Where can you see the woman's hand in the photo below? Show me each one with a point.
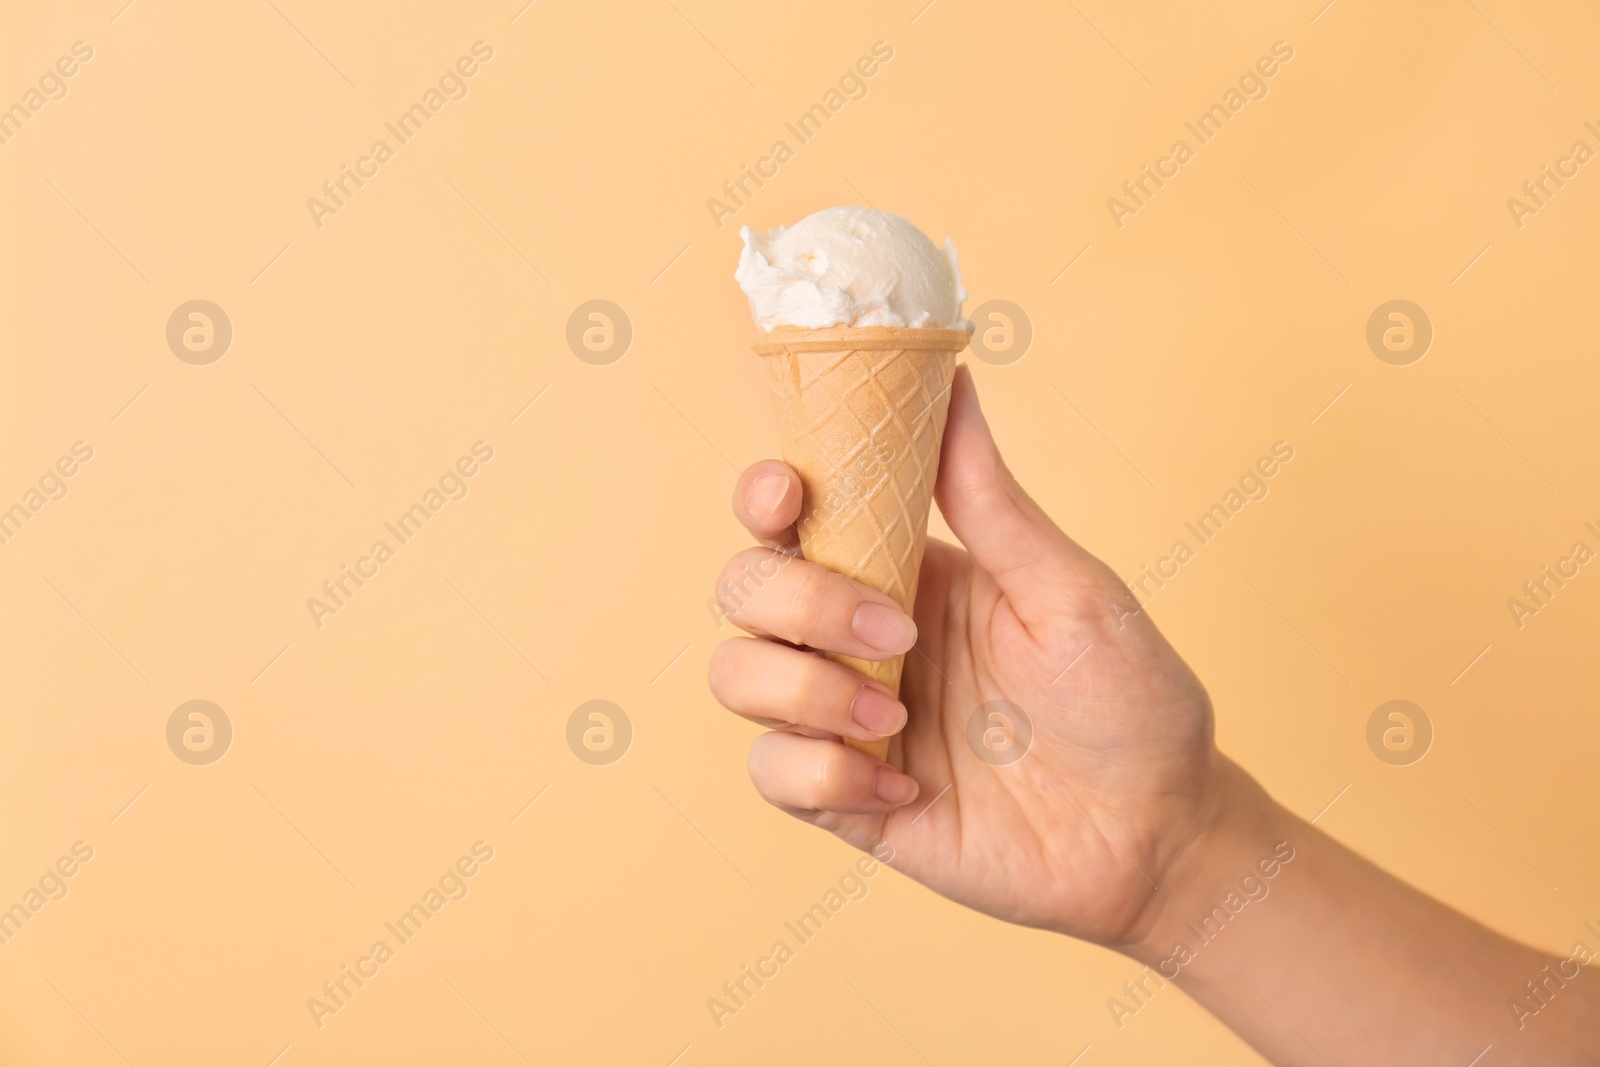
(1119, 792)
(1120, 775)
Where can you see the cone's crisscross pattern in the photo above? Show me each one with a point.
(861, 412)
(879, 421)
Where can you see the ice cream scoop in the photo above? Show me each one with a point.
(850, 266)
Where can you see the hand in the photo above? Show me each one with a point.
(1121, 776)
(1121, 791)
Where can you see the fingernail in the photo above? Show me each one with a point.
(892, 787)
(878, 711)
(883, 628)
(767, 493)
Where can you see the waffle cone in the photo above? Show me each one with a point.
(861, 414)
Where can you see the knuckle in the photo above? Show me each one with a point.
(811, 595)
(808, 674)
(737, 583)
(759, 764)
(765, 563)
(723, 668)
(805, 691)
(812, 583)
(826, 782)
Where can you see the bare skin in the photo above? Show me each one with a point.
(1121, 791)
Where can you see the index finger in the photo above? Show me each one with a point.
(766, 500)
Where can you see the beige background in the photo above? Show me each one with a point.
(426, 314)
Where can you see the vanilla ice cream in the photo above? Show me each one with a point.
(850, 266)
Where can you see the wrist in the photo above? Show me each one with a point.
(1243, 842)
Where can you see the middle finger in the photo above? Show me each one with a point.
(769, 593)
(775, 684)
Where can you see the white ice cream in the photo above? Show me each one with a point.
(850, 266)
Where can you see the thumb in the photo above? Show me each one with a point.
(1009, 535)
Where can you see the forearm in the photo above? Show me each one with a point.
(1332, 960)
